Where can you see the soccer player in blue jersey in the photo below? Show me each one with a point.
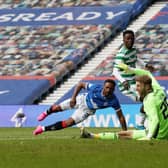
(96, 97)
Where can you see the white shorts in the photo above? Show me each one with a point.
(81, 109)
(131, 93)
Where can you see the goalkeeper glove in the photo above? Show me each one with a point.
(122, 66)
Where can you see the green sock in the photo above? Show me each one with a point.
(108, 135)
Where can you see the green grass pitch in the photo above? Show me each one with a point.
(65, 149)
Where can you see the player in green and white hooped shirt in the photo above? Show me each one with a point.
(156, 107)
(128, 55)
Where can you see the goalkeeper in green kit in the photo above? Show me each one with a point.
(155, 107)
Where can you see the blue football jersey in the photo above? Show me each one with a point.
(96, 100)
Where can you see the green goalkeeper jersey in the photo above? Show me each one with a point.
(156, 108)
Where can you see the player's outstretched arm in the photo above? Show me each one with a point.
(80, 85)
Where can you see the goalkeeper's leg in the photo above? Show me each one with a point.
(106, 136)
(103, 136)
(129, 134)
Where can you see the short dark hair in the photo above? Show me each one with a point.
(149, 67)
(128, 32)
(110, 81)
